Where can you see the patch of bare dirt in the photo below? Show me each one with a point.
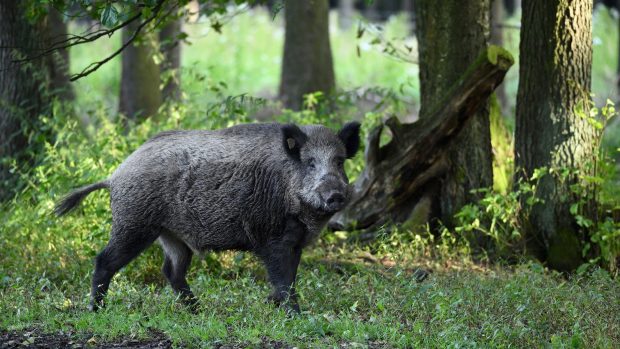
(37, 339)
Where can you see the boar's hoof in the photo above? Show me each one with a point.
(291, 308)
(289, 304)
(191, 304)
(95, 306)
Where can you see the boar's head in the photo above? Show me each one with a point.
(319, 155)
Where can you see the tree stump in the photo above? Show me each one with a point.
(395, 174)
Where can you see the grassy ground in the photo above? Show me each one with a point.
(350, 298)
(351, 295)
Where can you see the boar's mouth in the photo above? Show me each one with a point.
(327, 210)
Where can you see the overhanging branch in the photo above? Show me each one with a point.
(74, 39)
(96, 65)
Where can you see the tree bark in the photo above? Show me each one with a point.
(307, 63)
(345, 14)
(58, 61)
(450, 36)
(618, 58)
(171, 49)
(22, 88)
(497, 38)
(554, 78)
(398, 173)
(140, 95)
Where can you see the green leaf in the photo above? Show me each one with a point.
(217, 26)
(574, 208)
(109, 16)
(360, 31)
(539, 173)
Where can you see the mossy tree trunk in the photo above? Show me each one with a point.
(140, 95)
(554, 77)
(170, 46)
(23, 88)
(307, 63)
(451, 34)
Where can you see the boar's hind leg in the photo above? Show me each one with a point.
(124, 245)
(177, 260)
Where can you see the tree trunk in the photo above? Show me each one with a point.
(408, 8)
(345, 13)
(58, 61)
(140, 96)
(554, 78)
(450, 35)
(170, 47)
(397, 174)
(618, 58)
(497, 38)
(307, 64)
(22, 88)
(371, 12)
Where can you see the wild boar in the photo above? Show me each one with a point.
(264, 188)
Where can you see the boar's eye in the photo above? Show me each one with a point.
(311, 163)
(339, 161)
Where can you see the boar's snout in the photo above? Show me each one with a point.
(333, 193)
(335, 201)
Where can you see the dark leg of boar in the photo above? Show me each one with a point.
(282, 268)
(177, 260)
(123, 247)
(281, 258)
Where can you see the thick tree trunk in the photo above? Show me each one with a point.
(307, 64)
(397, 174)
(22, 88)
(58, 61)
(554, 77)
(171, 65)
(140, 95)
(450, 35)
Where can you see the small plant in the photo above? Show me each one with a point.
(593, 208)
(498, 216)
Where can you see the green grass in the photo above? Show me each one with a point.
(344, 301)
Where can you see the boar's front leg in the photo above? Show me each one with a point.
(281, 262)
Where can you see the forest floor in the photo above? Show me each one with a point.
(350, 298)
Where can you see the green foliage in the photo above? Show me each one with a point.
(499, 216)
(113, 13)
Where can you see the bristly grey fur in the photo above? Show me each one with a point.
(265, 188)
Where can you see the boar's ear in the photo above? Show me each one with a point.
(349, 134)
(293, 139)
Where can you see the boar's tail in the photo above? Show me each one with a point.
(70, 201)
